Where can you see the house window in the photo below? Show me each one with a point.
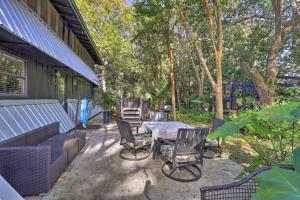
(75, 85)
(12, 76)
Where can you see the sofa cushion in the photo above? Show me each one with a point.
(36, 136)
(52, 129)
(15, 141)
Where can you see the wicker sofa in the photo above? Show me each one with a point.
(33, 161)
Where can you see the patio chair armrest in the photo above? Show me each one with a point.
(167, 141)
(248, 182)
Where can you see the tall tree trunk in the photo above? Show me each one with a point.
(219, 91)
(198, 77)
(218, 51)
(197, 45)
(171, 62)
(178, 97)
(264, 91)
(264, 86)
(202, 75)
(178, 78)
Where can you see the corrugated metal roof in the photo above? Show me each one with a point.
(20, 116)
(18, 19)
(71, 15)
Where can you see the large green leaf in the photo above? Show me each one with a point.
(278, 184)
(261, 129)
(281, 112)
(296, 159)
(228, 129)
(255, 120)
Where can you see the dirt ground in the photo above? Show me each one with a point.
(98, 173)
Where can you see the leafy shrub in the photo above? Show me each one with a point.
(278, 125)
(279, 183)
(274, 132)
(195, 116)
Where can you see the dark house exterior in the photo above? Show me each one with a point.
(46, 51)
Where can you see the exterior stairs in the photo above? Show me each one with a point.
(132, 115)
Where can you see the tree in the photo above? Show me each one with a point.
(217, 50)
(110, 23)
(157, 20)
(285, 19)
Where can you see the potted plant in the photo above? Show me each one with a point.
(107, 101)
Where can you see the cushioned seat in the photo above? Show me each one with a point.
(142, 140)
(167, 152)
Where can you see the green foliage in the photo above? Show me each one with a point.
(279, 183)
(273, 133)
(111, 24)
(257, 120)
(132, 38)
(105, 100)
(195, 117)
(286, 94)
(296, 159)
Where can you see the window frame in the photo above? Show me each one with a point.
(25, 77)
(75, 89)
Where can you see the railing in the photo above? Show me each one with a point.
(72, 106)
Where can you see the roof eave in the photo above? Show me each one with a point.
(78, 15)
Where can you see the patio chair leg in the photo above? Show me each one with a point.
(215, 150)
(125, 154)
(196, 176)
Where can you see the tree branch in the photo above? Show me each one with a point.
(248, 17)
(220, 27)
(294, 8)
(276, 4)
(197, 45)
(211, 30)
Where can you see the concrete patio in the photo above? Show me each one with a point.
(98, 173)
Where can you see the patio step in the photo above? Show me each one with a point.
(131, 112)
(135, 123)
(131, 117)
(131, 109)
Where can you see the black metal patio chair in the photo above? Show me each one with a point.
(183, 155)
(239, 190)
(136, 146)
(213, 146)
